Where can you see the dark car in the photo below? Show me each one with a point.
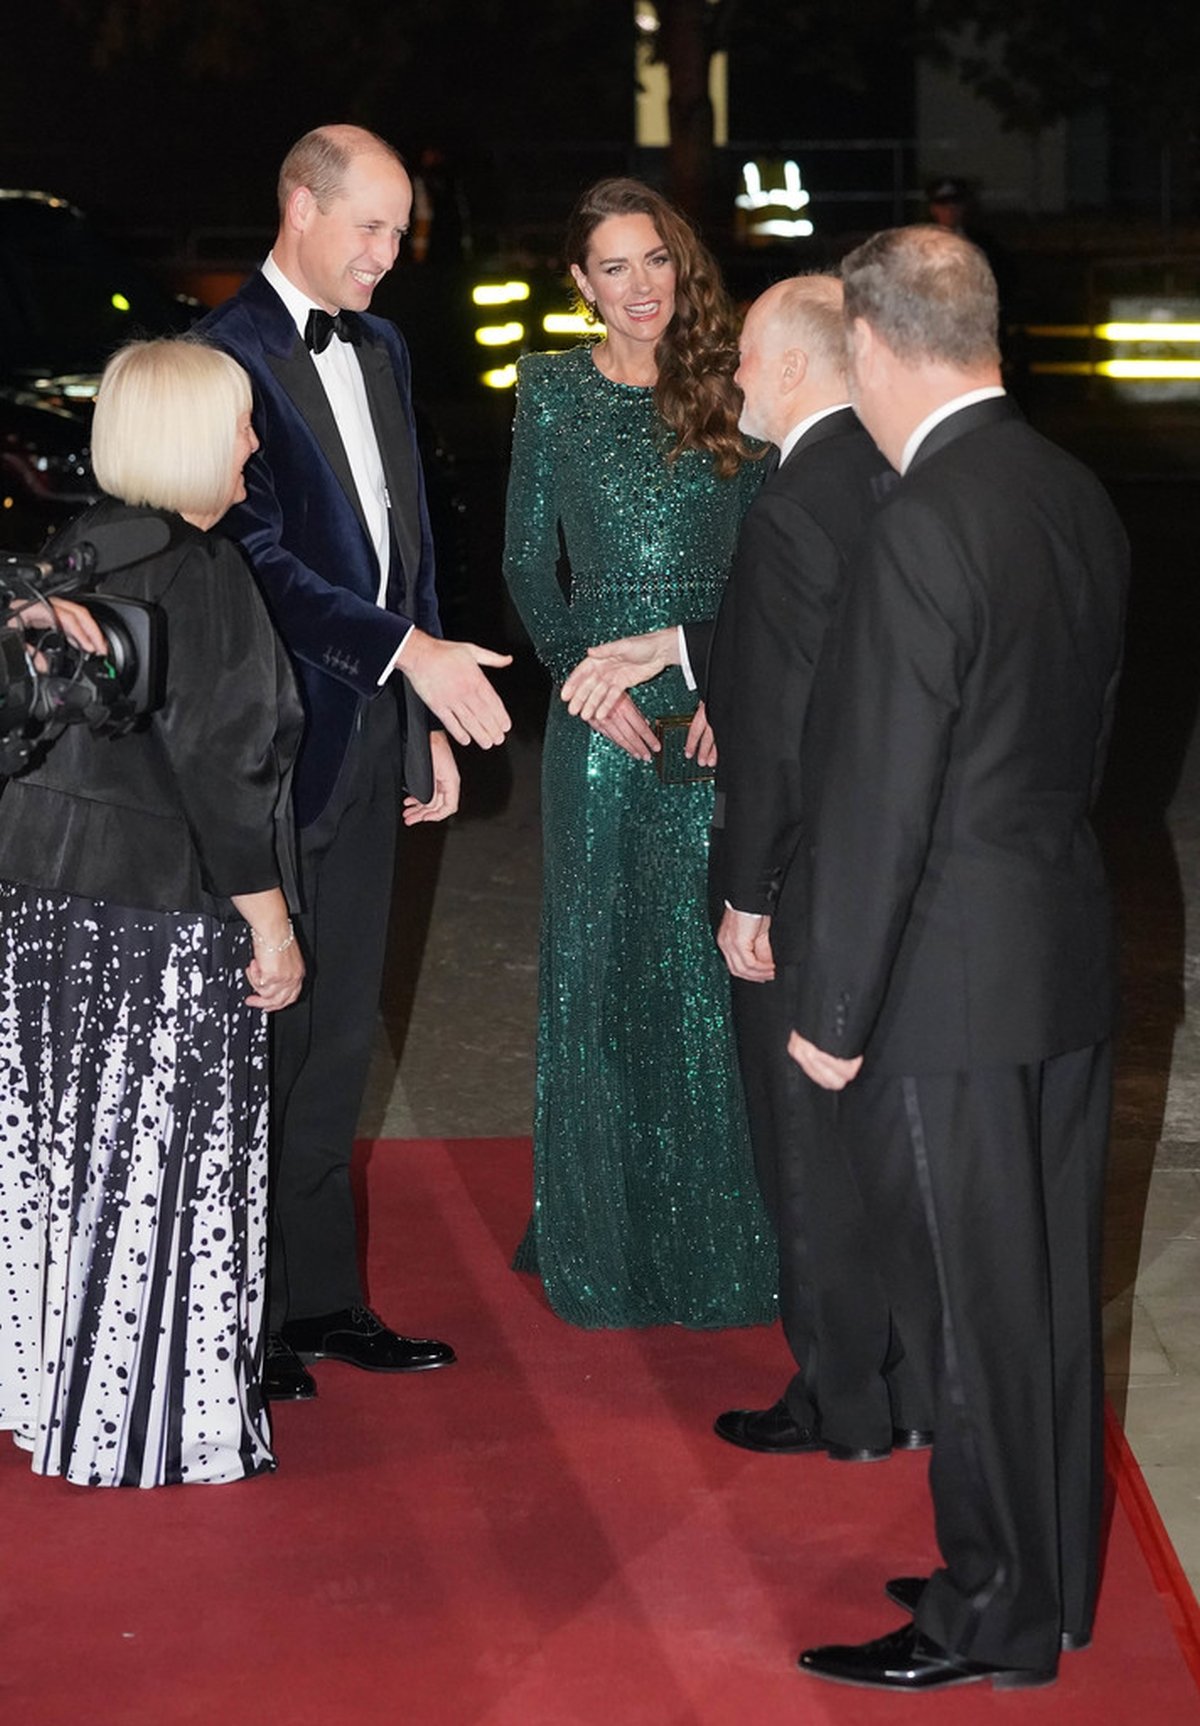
(67, 300)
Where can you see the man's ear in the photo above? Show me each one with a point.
(793, 369)
(299, 208)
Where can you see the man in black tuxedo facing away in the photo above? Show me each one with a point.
(336, 529)
(960, 950)
(856, 1392)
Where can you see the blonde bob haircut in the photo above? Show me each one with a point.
(166, 425)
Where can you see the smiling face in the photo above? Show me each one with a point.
(338, 254)
(629, 278)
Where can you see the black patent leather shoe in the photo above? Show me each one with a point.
(906, 1660)
(360, 1338)
(906, 1591)
(284, 1378)
(903, 1438)
(911, 1437)
(767, 1429)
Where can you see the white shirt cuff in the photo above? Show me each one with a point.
(394, 662)
(685, 664)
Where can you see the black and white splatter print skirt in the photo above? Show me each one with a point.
(133, 1192)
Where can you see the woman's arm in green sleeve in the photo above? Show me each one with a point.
(531, 544)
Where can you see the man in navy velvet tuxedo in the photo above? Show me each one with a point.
(336, 528)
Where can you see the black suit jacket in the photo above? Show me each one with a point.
(755, 663)
(193, 806)
(956, 903)
(303, 530)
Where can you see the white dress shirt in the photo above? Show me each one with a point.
(342, 380)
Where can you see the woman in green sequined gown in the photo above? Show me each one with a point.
(646, 1209)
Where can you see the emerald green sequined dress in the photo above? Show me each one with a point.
(645, 1208)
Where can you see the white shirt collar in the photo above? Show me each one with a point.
(917, 438)
(297, 302)
(797, 432)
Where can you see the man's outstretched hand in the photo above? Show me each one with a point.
(447, 676)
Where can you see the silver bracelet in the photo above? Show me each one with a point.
(282, 947)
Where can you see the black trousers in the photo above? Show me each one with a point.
(1008, 1164)
(859, 1371)
(321, 1046)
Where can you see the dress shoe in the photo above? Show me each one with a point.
(903, 1438)
(911, 1437)
(767, 1429)
(858, 1453)
(906, 1660)
(358, 1337)
(284, 1378)
(906, 1591)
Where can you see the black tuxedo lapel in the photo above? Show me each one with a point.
(298, 377)
(965, 420)
(833, 425)
(394, 436)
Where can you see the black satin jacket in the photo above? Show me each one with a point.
(194, 806)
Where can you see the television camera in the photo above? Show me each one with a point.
(48, 683)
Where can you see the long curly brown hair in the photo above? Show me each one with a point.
(697, 354)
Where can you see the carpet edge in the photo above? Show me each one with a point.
(1166, 1572)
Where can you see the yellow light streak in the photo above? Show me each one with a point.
(1080, 332)
(500, 378)
(1148, 368)
(1121, 370)
(499, 335)
(570, 324)
(1117, 332)
(1155, 332)
(499, 293)
(1063, 368)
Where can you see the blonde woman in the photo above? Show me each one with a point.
(144, 936)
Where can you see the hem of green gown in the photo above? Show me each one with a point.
(585, 1318)
(592, 1322)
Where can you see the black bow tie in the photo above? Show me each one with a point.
(321, 328)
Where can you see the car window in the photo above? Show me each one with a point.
(66, 299)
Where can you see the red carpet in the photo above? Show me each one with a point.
(545, 1535)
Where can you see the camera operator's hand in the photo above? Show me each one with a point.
(75, 621)
(276, 972)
